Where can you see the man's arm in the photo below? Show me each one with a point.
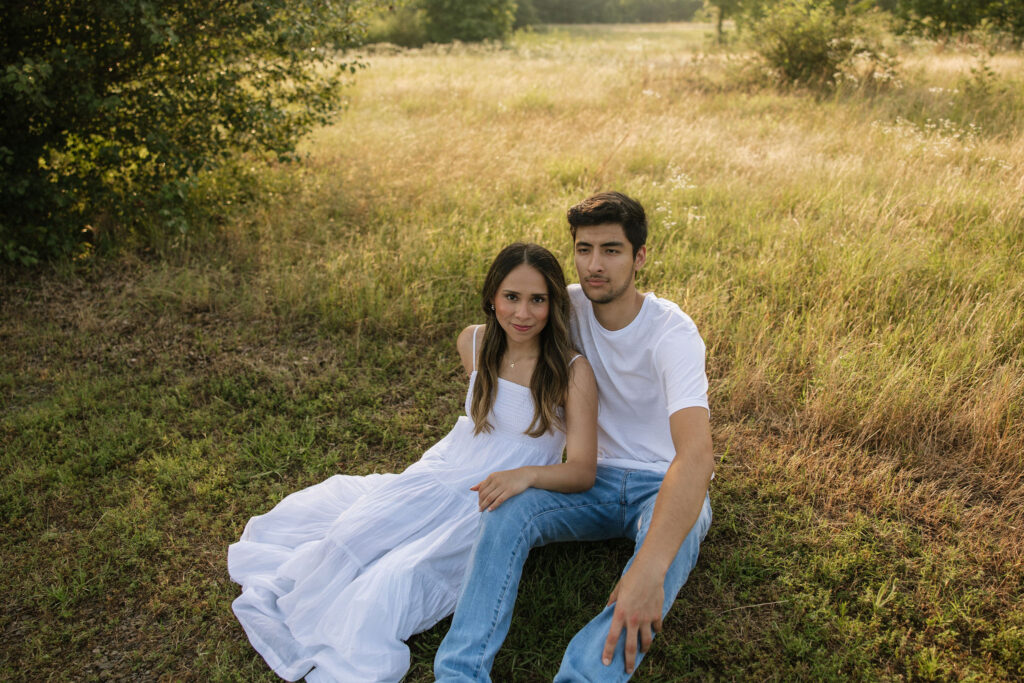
(640, 594)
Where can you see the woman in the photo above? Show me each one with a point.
(338, 575)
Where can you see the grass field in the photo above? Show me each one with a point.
(853, 261)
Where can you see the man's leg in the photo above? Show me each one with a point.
(533, 518)
(582, 660)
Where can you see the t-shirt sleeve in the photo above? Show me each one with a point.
(680, 360)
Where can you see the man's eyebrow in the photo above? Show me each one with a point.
(614, 243)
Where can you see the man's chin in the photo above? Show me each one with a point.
(598, 297)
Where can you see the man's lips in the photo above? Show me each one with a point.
(595, 281)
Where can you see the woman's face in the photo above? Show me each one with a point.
(521, 304)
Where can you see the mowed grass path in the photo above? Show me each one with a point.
(853, 263)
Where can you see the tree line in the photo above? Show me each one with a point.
(112, 112)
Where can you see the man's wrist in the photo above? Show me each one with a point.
(652, 565)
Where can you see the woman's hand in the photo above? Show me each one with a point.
(500, 486)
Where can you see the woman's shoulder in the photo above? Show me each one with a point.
(465, 345)
(580, 372)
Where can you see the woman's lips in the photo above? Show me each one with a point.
(520, 328)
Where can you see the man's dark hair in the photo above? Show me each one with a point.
(611, 207)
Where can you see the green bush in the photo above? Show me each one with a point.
(604, 11)
(938, 18)
(108, 108)
(401, 24)
(810, 43)
(468, 20)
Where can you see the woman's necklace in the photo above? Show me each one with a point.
(512, 363)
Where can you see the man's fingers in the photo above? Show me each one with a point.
(657, 626)
(631, 636)
(646, 637)
(613, 638)
(614, 595)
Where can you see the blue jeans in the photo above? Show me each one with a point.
(619, 505)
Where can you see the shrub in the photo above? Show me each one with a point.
(809, 43)
(601, 11)
(108, 108)
(401, 24)
(468, 20)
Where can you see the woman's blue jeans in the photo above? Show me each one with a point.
(619, 505)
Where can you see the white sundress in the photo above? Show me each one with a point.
(338, 575)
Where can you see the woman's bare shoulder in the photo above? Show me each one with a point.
(464, 344)
(581, 375)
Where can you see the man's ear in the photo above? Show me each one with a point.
(641, 258)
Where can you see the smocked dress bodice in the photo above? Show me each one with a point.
(463, 458)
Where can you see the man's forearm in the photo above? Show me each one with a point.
(676, 509)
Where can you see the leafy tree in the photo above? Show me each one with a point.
(469, 20)
(107, 107)
(944, 18)
(735, 10)
(599, 11)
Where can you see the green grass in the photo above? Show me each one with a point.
(853, 263)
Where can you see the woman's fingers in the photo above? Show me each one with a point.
(488, 492)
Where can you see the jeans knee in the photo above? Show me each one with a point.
(509, 520)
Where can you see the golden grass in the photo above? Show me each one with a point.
(853, 262)
(854, 268)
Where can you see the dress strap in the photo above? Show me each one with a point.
(573, 359)
(475, 330)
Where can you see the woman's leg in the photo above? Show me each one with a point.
(303, 517)
(408, 590)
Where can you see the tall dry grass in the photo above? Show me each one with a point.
(853, 262)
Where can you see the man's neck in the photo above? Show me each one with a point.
(620, 312)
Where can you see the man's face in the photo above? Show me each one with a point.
(605, 262)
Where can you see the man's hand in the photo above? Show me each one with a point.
(500, 486)
(638, 598)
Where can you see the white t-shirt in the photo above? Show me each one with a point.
(645, 372)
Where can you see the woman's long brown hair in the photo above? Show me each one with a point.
(550, 381)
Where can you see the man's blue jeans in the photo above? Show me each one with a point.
(619, 505)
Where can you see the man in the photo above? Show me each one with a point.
(654, 466)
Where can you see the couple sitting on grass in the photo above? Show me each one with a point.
(338, 575)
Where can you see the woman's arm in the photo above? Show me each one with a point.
(580, 467)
